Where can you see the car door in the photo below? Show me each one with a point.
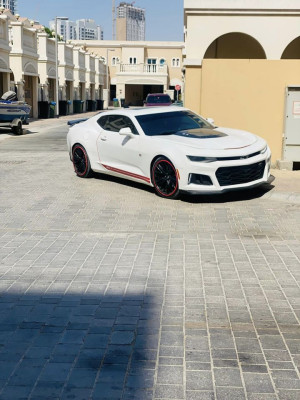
(119, 153)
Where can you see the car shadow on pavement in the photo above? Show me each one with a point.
(231, 196)
(123, 182)
(6, 131)
(9, 132)
(78, 346)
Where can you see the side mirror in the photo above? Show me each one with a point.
(126, 132)
(210, 120)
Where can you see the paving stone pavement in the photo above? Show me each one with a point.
(110, 292)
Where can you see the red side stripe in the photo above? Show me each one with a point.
(120, 171)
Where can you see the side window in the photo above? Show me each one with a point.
(129, 124)
(114, 123)
(103, 122)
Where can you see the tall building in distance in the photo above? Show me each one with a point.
(87, 29)
(130, 22)
(10, 5)
(82, 29)
(65, 28)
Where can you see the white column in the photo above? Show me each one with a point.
(105, 98)
(35, 111)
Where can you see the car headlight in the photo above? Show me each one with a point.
(264, 150)
(202, 159)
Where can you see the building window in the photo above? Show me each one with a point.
(175, 62)
(132, 60)
(151, 61)
(162, 62)
(115, 61)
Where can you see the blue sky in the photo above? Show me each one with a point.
(164, 18)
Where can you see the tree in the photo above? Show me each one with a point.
(49, 32)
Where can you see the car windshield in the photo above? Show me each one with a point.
(158, 99)
(168, 123)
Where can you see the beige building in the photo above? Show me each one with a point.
(46, 68)
(242, 68)
(100, 77)
(138, 68)
(28, 67)
(90, 76)
(23, 59)
(66, 73)
(4, 55)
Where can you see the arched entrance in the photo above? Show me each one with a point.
(292, 51)
(69, 85)
(31, 88)
(235, 45)
(51, 84)
(4, 76)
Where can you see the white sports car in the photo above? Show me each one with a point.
(169, 148)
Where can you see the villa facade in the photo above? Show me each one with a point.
(239, 64)
(242, 68)
(138, 68)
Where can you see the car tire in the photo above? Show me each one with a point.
(81, 162)
(164, 178)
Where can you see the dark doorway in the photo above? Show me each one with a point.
(113, 92)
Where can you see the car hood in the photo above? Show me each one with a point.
(218, 138)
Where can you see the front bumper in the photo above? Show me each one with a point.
(215, 184)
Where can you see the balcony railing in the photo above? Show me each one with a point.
(151, 69)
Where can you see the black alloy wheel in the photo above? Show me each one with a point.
(164, 178)
(81, 162)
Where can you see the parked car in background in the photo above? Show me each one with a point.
(158, 99)
(169, 148)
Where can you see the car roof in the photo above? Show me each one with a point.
(134, 112)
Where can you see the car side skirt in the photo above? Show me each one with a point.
(127, 174)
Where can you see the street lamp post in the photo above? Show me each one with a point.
(56, 65)
(107, 50)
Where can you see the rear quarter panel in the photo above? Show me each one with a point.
(86, 134)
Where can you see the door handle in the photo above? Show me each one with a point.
(103, 138)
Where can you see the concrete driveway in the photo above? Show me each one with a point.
(110, 292)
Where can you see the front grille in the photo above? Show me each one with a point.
(228, 176)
